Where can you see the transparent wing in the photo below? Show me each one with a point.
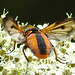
(13, 29)
(60, 30)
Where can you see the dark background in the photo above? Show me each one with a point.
(38, 11)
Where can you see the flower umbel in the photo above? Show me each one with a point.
(15, 64)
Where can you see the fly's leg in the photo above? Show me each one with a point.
(26, 58)
(57, 58)
(24, 53)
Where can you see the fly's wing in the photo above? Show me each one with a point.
(13, 29)
(61, 30)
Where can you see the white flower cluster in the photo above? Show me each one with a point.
(15, 64)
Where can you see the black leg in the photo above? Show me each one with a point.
(24, 53)
(26, 58)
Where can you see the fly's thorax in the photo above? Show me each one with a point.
(29, 30)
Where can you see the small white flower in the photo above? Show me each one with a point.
(4, 14)
(69, 15)
(41, 27)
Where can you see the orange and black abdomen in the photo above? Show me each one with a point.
(39, 44)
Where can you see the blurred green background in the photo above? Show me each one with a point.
(38, 11)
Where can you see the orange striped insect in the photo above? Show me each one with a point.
(38, 40)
